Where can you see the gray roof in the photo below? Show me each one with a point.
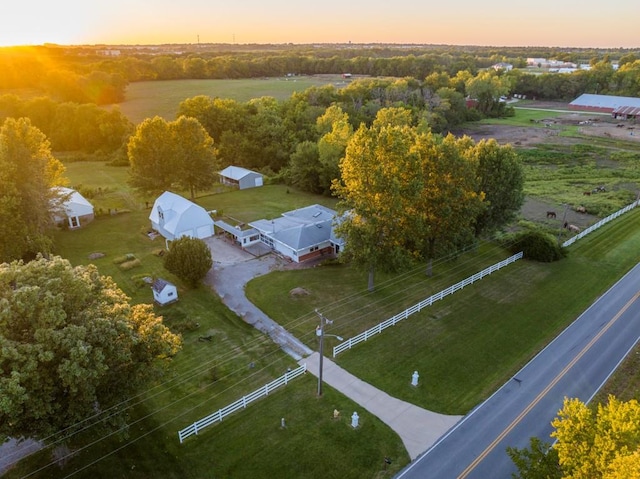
(159, 284)
(239, 233)
(605, 101)
(305, 236)
(237, 172)
(301, 228)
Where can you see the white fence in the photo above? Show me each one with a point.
(349, 343)
(240, 403)
(600, 223)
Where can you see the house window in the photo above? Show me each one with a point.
(160, 214)
(74, 222)
(170, 294)
(312, 249)
(266, 240)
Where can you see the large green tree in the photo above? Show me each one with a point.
(500, 180)
(72, 346)
(407, 194)
(379, 176)
(28, 171)
(165, 155)
(447, 202)
(332, 145)
(538, 461)
(189, 259)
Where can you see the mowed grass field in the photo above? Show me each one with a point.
(162, 98)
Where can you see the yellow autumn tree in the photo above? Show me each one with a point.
(600, 444)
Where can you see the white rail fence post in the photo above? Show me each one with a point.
(365, 335)
(240, 403)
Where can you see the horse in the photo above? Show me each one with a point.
(551, 214)
(573, 228)
(587, 193)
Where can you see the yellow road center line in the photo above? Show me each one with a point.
(555, 381)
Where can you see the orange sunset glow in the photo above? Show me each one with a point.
(494, 22)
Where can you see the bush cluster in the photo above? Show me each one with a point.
(537, 245)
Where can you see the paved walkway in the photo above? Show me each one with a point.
(233, 268)
(13, 450)
(418, 428)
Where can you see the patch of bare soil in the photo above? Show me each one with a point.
(536, 210)
(514, 135)
(296, 292)
(546, 130)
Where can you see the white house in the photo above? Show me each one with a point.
(174, 216)
(240, 177)
(301, 234)
(164, 292)
(74, 209)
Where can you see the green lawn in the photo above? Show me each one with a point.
(150, 98)
(467, 345)
(464, 347)
(206, 376)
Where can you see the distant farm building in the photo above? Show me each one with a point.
(164, 292)
(240, 177)
(502, 66)
(74, 210)
(174, 216)
(622, 107)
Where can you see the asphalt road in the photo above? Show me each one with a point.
(575, 364)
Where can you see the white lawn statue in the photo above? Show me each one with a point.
(354, 420)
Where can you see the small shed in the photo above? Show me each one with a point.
(164, 292)
(240, 177)
(74, 209)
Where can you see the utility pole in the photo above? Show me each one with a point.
(320, 334)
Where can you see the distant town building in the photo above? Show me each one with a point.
(502, 66)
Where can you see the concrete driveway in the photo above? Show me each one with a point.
(232, 269)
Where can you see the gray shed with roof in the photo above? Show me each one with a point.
(164, 292)
(240, 177)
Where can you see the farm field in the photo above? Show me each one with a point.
(162, 98)
(490, 328)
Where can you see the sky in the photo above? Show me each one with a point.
(554, 23)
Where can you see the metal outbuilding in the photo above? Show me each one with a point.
(618, 106)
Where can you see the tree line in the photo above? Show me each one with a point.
(83, 75)
(72, 126)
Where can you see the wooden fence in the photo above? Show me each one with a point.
(349, 343)
(240, 403)
(600, 223)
